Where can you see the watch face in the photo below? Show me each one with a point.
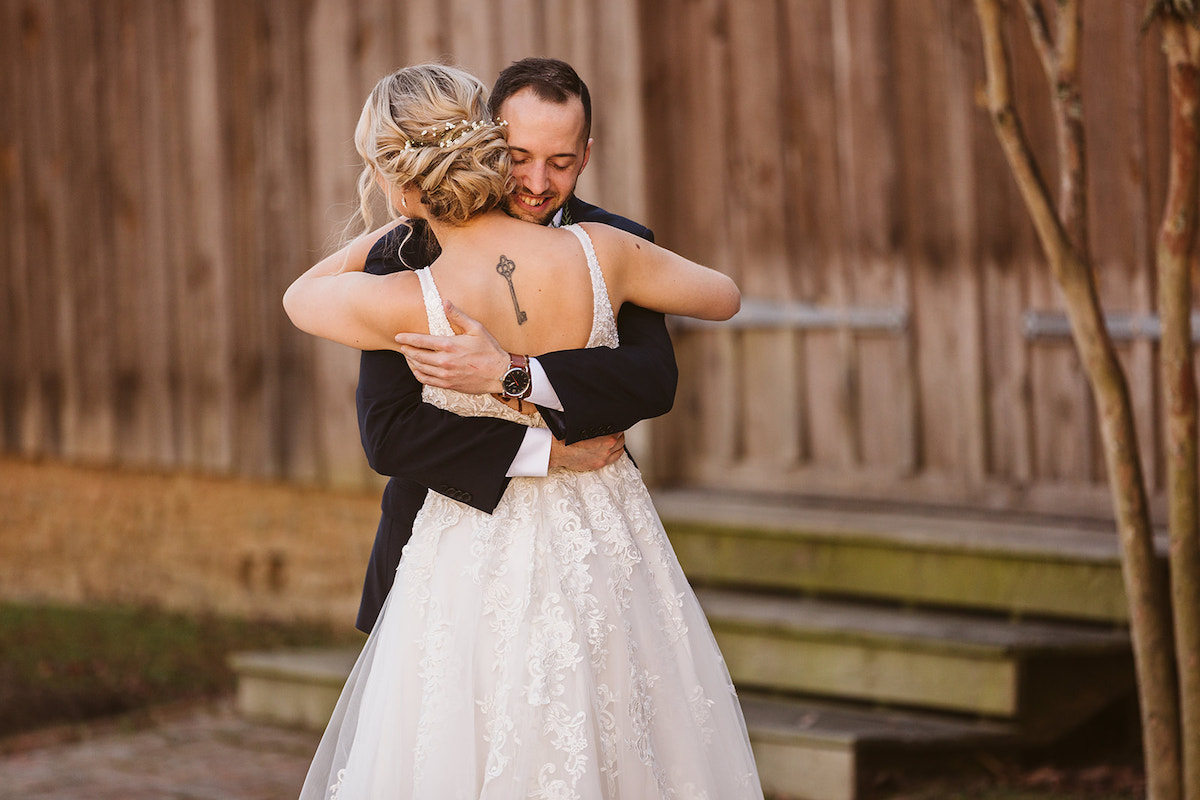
(515, 382)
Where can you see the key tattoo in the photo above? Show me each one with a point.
(506, 267)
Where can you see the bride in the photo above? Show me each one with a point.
(551, 649)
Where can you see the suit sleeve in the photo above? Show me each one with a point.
(464, 458)
(605, 390)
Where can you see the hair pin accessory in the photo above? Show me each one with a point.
(449, 134)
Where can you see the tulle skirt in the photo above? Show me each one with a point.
(552, 649)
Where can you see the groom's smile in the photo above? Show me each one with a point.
(531, 205)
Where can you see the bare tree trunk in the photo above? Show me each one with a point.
(1149, 611)
(1176, 251)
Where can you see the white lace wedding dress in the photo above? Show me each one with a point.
(550, 650)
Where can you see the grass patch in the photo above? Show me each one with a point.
(66, 665)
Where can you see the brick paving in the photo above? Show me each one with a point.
(202, 753)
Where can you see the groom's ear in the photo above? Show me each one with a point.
(587, 154)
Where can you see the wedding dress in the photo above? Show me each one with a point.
(550, 650)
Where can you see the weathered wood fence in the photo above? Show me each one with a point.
(834, 157)
(167, 166)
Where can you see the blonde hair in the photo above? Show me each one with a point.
(428, 125)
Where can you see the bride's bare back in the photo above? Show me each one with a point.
(528, 286)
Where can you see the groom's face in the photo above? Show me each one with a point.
(549, 151)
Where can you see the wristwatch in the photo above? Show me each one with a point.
(517, 382)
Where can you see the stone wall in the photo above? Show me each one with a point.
(77, 535)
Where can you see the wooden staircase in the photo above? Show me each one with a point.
(859, 637)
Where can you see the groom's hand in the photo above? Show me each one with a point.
(587, 455)
(472, 362)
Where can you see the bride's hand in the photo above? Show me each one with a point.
(587, 455)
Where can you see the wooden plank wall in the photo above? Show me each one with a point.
(168, 166)
(832, 153)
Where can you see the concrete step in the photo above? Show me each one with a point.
(1007, 565)
(1046, 675)
(812, 750)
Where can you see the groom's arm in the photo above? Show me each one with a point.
(464, 458)
(582, 394)
(604, 390)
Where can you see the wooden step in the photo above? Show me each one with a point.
(811, 750)
(943, 660)
(1034, 568)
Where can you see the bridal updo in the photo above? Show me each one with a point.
(428, 125)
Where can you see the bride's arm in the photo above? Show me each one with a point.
(336, 300)
(653, 277)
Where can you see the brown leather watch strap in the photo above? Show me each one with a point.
(521, 364)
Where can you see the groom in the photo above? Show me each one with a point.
(587, 397)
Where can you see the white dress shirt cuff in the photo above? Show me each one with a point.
(543, 393)
(533, 457)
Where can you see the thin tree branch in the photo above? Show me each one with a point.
(1186, 11)
(1067, 104)
(1012, 135)
(1060, 63)
(1039, 29)
(1069, 29)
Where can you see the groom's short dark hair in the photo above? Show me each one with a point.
(552, 80)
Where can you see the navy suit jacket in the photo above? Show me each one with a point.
(422, 447)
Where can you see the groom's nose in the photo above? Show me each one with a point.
(535, 178)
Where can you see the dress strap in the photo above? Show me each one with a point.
(604, 326)
(435, 311)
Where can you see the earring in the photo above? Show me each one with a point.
(404, 202)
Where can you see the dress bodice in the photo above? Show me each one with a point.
(603, 334)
